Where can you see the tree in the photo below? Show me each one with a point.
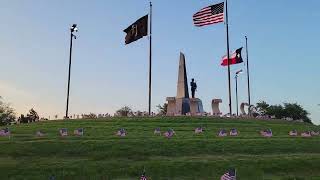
(276, 110)
(288, 110)
(162, 109)
(124, 111)
(296, 112)
(7, 114)
(32, 116)
(262, 107)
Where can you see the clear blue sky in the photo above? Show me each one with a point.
(106, 74)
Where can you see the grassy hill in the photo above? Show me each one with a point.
(99, 154)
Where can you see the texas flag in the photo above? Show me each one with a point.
(235, 58)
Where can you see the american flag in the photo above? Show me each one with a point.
(40, 133)
(169, 133)
(315, 133)
(306, 134)
(229, 175)
(198, 130)
(293, 133)
(222, 133)
(5, 132)
(157, 131)
(233, 132)
(78, 132)
(63, 132)
(122, 132)
(209, 15)
(266, 133)
(143, 176)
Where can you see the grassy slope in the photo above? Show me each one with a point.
(101, 155)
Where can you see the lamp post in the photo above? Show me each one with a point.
(72, 30)
(236, 77)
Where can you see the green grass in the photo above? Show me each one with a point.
(101, 155)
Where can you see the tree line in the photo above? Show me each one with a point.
(294, 111)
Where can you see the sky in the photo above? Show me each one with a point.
(283, 41)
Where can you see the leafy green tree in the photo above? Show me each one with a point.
(7, 114)
(276, 110)
(124, 111)
(262, 107)
(296, 112)
(32, 116)
(288, 110)
(162, 109)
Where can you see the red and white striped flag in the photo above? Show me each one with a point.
(315, 133)
(78, 132)
(293, 133)
(306, 134)
(198, 130)
(229, 175)
(222, 133)
(143, 176)
(5, 132)
(63, 132)
(209, 15)
(234, 132)
(266, 133)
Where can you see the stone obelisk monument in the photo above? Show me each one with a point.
(180, 105)
(182, 98)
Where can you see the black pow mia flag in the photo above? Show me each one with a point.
(137, 30)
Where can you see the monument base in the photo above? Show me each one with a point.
(196, 107)
(215, 107)
(184, 106)
(178, 106)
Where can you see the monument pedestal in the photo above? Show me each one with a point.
(196, 107)
(215, 107)
(178, 106)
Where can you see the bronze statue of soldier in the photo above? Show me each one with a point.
(193, 85)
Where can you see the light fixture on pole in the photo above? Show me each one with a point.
(73, 29)
(236, 77)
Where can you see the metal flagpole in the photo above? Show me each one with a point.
(237, 94)
(150, 58)
(72, 29)
(248, 76)
(228, 56)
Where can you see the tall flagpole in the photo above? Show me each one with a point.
(150, 57)
(248, 76)
(228, 55)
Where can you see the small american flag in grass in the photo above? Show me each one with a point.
(63, 132)
(169, 133)
(121, 132)
(293, 133)
(209, 15)
(229, 175)
(198, 130)
(157, 131)
(40, 133)
(222, 133)
(78, 132)
(306, 134)
(5, 132)
(315, 133)
(266, 133)
(143, 176)
(234, 132)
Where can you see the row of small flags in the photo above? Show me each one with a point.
(228, 175)
(170, 133)
(222, 133)
(62, 132)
